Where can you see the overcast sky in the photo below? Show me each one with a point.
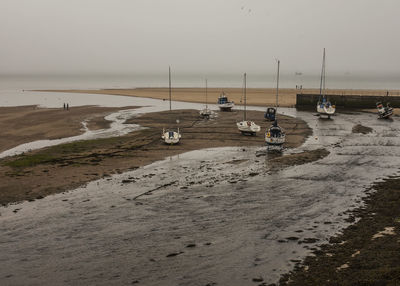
(118, 36)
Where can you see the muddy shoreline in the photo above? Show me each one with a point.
(58, 168)
(23, 124)
(365, 253)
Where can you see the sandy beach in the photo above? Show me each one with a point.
(255, 96)
(62, 167)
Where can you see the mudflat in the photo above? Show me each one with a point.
(23, 124)
(365, 253)
(63, 167)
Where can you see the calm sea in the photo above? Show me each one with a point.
(97, 81)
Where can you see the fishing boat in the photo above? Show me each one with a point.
(170, 136)
(247, 127)
(275, 135)
(384, 112)
(206, 112)
(224, 104)
(324, 106)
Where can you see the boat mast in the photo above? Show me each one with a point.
(169, 73)
(324, 87)
(206, 95)
(244, 94)
(322, 82)
(277, 86)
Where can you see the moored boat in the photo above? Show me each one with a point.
(245, 126)
(324, 106)
(224, 104)
(384, 112)
(170, 136)
(206, 112)
(274, 135)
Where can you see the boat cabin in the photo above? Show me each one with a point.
(270, 113)
(222, 99)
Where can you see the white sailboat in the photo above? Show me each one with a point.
(169, 135)
(324, 106)
(206, 112)
(247, 127)
(275, 135)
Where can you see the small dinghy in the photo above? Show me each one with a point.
(206, 112)
(275, 136)
(384, 112)
(324, 106)
(169, 135)
(224, 104)
(247, 127)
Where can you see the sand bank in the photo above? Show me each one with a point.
(25, 124)
(62, 167)
(255, 96)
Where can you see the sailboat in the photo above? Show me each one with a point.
(324, 106)
(270, 113)
(274, 135)
(247, 127)
(169, 135)
(206, 112)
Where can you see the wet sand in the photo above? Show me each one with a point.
(56, 169)
(25, 124)
(367, 253)
(255, 96)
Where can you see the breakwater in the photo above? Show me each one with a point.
(347, 101)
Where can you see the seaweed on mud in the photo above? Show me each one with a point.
(359, 256)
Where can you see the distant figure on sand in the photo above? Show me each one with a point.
(67, 106)
(64, 106)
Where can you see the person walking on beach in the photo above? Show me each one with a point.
(64, 105)
(67, 106)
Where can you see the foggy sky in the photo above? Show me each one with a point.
(118, 36)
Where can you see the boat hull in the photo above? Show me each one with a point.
(384, 112)
(226, 106)
(171, 137)
(205, 112)
(328, 111)
(248, 127)
(275, 141)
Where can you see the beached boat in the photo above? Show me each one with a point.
(170, 136)
(324, 106)
(270, 113)
(224, 104)
(274, 135)
(247, 127)
(384, 112)
(206, 112)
